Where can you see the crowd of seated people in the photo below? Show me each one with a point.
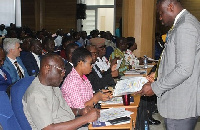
(90, 63)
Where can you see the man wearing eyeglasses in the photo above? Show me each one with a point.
(44, 105)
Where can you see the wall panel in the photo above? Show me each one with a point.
(28, 13)
(49, 14)
(60, 14)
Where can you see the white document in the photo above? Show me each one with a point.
(118, 63)
(114, 100)
(113, 113)
(128, 86)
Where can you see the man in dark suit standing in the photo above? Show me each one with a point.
(32, 60)
(13, 64)
(177, 85)
(5, 79)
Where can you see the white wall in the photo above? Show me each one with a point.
(10, 11)
(105, 19)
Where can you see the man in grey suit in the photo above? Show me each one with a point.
(178, 82)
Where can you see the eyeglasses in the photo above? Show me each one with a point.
(104, 46)
(62, 70)
(93, 53)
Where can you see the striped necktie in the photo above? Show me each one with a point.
(18, 70)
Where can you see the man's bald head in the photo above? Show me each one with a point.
(52, 70)
(168, 10)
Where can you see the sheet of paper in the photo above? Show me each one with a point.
(128, 86)
(114, 100)
(113, 113)
(133, 71)
(118, 63)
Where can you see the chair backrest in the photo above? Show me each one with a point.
(17, 93)
(8, 120)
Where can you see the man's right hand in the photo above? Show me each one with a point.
(93, 115)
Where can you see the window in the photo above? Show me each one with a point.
(99, 2)
(100, 15)
(10, 11)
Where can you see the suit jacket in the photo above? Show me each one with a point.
(4, 83)
(68, 68)
(100, 82)
(9, 67)
(178, 82)
(30, 63)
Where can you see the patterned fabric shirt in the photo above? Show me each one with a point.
(76, 90)
(118, 53)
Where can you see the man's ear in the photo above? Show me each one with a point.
(47, 69)
(171, 7)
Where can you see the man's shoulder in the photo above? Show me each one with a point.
(7, 61)
(187, 17)
(35, 87)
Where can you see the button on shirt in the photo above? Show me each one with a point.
(12, 61)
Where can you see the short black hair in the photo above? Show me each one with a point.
(80, 54)
(66, 39)
(120, 40)
(69, 47)
(130, 41)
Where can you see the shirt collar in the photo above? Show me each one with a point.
(34, 54)
(70, 63)
(178, 16)
(12, 61)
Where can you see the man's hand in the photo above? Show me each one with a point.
(86, 110)
(113, 68)
(114, 61)
(93, 115)
(115, 73)
(151, 77)
(103, 95)
(146, 90)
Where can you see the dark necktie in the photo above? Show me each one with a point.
(18, 70)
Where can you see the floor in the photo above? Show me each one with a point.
(161, 126)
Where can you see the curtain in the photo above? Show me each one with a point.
(10, 11)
